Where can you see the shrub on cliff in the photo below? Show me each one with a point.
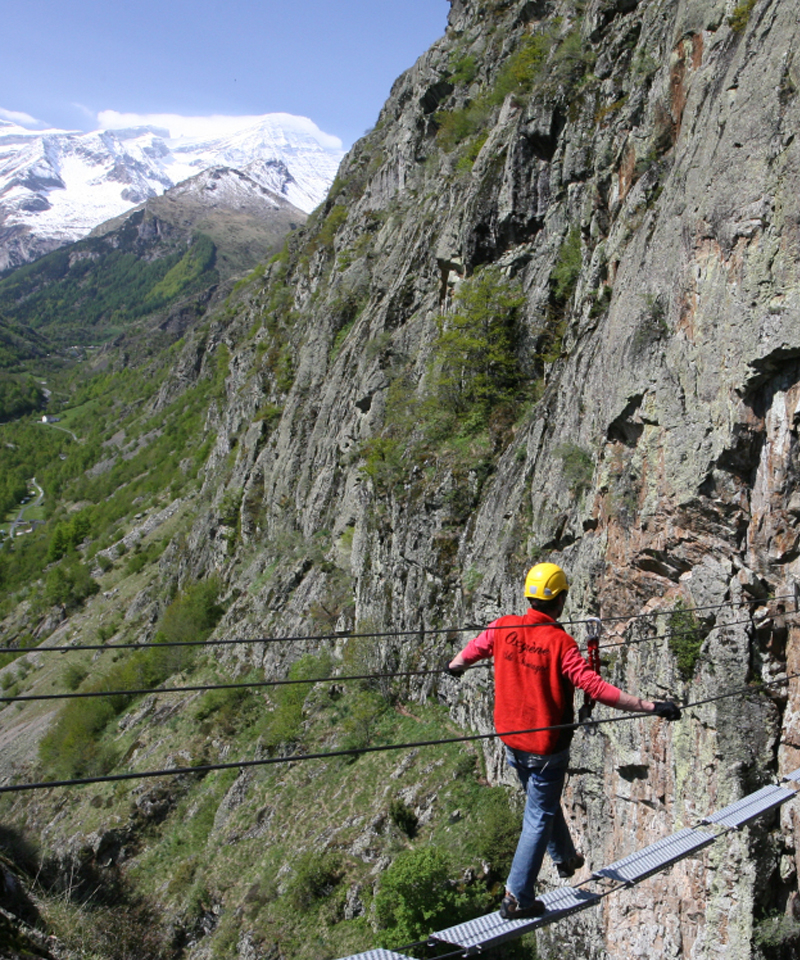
(416, 896)
(737, 21)
(685, 638)
(69, 583)
(476, 366)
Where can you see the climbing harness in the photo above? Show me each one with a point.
(594, 627)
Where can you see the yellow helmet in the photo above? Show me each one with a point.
(545, 581)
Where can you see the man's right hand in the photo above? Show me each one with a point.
(667, 709)
(454, 671)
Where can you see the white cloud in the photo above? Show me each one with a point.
(23, 119)
(86, 111)
(194, 128)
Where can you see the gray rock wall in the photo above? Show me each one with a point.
(668, 139)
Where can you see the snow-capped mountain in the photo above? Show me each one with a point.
(56, 186)
(241, 211)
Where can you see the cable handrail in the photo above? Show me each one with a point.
(334, 678)
(350, 635)
(233, 685)
(632, 641)
(358, 751)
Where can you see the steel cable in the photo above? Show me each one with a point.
(194, 688)
(201, 687)
(358, 751)
(347, 635)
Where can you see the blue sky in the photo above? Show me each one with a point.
(67, 61)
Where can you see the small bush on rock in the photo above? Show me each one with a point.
(416, 896)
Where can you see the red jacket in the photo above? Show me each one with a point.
(537, 665)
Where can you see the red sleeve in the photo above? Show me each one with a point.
(481, 647)
(578, 671)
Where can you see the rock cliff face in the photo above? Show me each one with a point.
(625, 174)
(654, 454)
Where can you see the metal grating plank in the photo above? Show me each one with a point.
(379, 954)
(658, 855)
(794, 775)
(563, 901)
(476, 935)
(749, 807)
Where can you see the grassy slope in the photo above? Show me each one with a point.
(249, 848)
(239, 849)
(122, 469)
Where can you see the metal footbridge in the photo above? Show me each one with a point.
(475, 936)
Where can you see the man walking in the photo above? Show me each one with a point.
(537, 666)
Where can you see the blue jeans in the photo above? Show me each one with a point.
(543, 824)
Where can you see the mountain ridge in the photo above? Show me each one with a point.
(146, 254)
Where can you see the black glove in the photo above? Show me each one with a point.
(668, 710)
(456, 672)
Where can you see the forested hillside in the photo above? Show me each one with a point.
(549, 309)
(19, 343)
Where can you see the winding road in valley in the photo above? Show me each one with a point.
(62, 429)
(20, 520)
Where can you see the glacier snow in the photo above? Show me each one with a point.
(56, 185)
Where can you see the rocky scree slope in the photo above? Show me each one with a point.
(622, 177)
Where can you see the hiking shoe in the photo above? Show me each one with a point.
(568, 867)
(511, 910)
